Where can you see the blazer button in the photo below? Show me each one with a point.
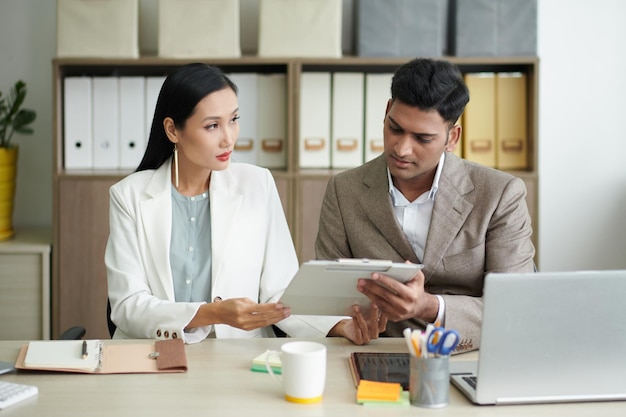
(159, 333)
(174, 335)
(166, 334)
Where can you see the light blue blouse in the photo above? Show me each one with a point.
(190, 248)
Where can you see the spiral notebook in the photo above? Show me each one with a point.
(103, 357)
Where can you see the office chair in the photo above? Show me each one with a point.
(73, 333)
(110, 323)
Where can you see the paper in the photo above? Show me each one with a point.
(63, 354)
(258, 363)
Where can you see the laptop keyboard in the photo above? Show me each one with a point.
(471, 380)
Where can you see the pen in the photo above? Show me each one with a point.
(84, 355)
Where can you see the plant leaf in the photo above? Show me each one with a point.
(22, 118)
(18, 94)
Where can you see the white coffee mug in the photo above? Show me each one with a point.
(303, 368)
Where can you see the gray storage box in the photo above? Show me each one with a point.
(494, 27)
(405, 28)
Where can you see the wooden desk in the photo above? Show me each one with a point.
(219, 383)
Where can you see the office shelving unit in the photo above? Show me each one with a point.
(80, 198)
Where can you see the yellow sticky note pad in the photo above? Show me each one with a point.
(378, 391)
(258, 363)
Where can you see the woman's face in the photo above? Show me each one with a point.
(209, 135)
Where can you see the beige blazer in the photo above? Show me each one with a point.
(252, 254)
(480, 223)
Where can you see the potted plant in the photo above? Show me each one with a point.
(13, 119)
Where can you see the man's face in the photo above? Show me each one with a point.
(414, 141)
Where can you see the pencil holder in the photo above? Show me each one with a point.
(429, 382)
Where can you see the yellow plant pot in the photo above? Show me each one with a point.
(8, 174)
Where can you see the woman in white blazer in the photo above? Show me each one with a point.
(198, 244)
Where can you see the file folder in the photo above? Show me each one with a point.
(106, 131)
(347, 119)
(314, 132)
(246, 148)
(133, 137)
(104, 357)
(479, 119)
(272, 120)
(511, 123)
(77, 125)
(153, 88)
(377, 94)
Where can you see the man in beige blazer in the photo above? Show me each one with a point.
(419, 202)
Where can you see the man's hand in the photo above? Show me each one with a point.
(362, 327)
(400, 301)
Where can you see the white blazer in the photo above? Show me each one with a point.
(252, 254)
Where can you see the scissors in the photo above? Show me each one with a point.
(442, 342)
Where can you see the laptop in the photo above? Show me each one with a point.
(549, 337)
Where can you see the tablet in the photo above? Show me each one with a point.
(328, 288)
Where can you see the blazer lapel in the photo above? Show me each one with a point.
(225, 200)
(377, 205)
(156, 212)
(450, 211)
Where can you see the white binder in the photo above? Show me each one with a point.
(377, 94)
(314, 134)
(272, 120)
(77, 133)
(246, 148)
(347, 120)
(153, 88)
(133, 135)
(106, 131)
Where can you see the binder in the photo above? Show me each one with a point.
(106, 138)
(377, 94)
(511, 121)
(153, 88)
(479, 119)
(314, 132)
(104, 357)
(133, 137)
(272, 120)
(347, 119)
(77, 130)
(246, 147)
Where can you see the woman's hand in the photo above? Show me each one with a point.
(241, 313)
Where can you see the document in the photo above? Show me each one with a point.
(377, 94)
(272, 120)
(133, 136)
(77, 124)
(347, 119)
(511, 121)
(314, 133)
(103, 357)
(106, 131)
(479, 119)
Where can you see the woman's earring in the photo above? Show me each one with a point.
(176, 166)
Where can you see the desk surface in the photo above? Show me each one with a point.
(219, 383)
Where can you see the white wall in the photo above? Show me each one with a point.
(582, 150)
(27, 46)
(582, 185)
